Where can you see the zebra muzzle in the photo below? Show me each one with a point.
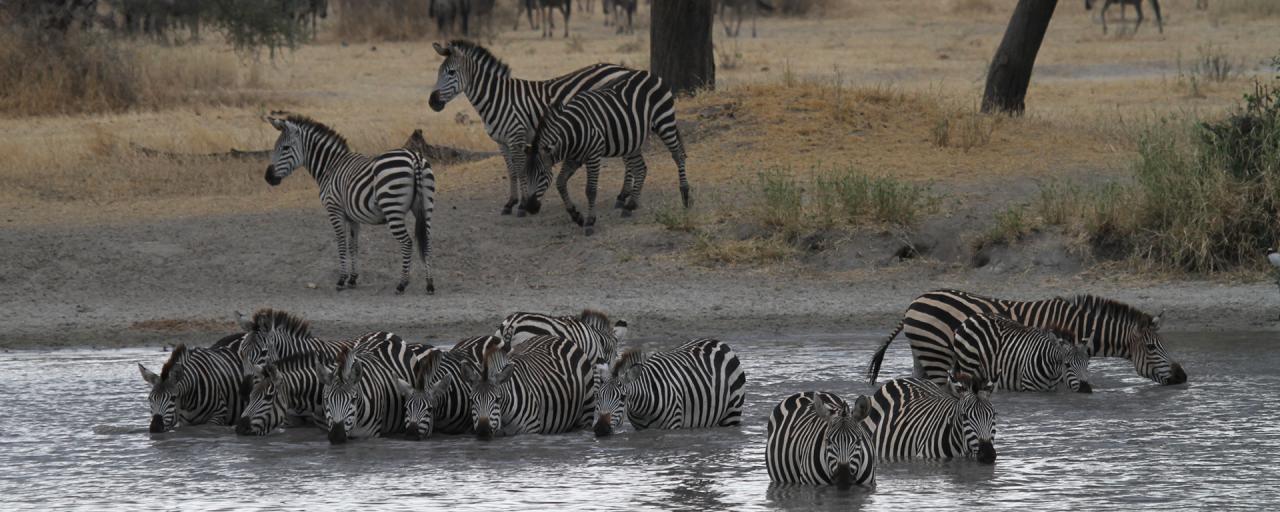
(413, 433)
(244, 427)
(337, 434)
(986, 452)
(434, 101)
(157, 424)
(1178, 375)
(843, 476)
(604, 426)
(272, 180)
(484, 431)
(1085, 388)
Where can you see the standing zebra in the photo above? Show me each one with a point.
(195, 386)
(817, 438)
(590, 330)
(1114, 329)
(360, 395)
(1021, 358)
(611, 121)
(508, 106)
(287, 392)
(546, 387)
(697, 385)
(917, 418)
(438, 399)
(359, 189)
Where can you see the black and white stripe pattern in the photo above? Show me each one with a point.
(438, 399)
(611, 121)
(915, 418)
(590, 330)
(697, 385)
(546, 387)
(510, 107)
(274, 335)
(361, 399)
(1114, 329)
(1021, 358)
(287, 392)
(359, 189)
(817, 438)
(195, 386)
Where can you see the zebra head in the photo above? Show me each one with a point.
(341, 394)
(488, 391)
(165, 390)
(1075, 364)
(617, 382)
(421, 397)
(287, 154)
(1149, 357)
(974, 415)
(545, 148)
(1123, 331)
(846, 438)
(265, 408)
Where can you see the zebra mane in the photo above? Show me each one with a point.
(179, 352)
(425, 368)
(309, 124)
(1062, 331)
(267, 319)
(299, 360)
(596, 319)
(481, 55)
(541, 126)
(1111, 308)
(492, 361)
(630, 358)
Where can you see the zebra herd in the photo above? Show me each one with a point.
(546, 374)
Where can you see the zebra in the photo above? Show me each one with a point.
(590, 330)
(1137, 4)
(611, 121)
(473, 349)
(359, 189)
(195, 386)
(545, 8)
(697, 385)
(1021, 358)
(817, 438)
(913, 418)
(738, 6)
(437, 399)
(360, 395)
(1114, 329)
(272, 335)
(508, 106)
(287, 392)
(545, 387)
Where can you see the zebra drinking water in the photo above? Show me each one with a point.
(195, 386)
(546, 387)
(697, 385)
(287, 392)
(510, 107)
(1021, 358)
(1114, 329)
(611, 121)
(359, 189)
(817, 438)
(438, 398)
(360, 395)
(273, 335)
(915, 418)
(590, 330)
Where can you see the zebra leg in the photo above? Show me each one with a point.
(517, 172)
(676, 146)
(395, 222)
(593, 176)
(338, 222)
(627, 183)
(562, 186)
(1103, 14)
(1138, 7)
(1155, 6)
(566, 10)
(513, 181)
(353, 245)
(636, 171)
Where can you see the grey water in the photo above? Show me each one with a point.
(73, 434)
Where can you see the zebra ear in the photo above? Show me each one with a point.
(471, 373)
(276, 123)
(148, 375)
(820, 408)
(505, 374)
(442, 50)
(438, 389)
(323, 373)
(246, 323)
(1155, 322)
(404, 388)
(620, 329)
(860, 408)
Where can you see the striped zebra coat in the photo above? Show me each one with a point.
(195, 386)
(545, 387)
(591, 331)
(273, 335)
(1113, 329)
(915, 418)
(359, 189)
(1020, 358)
(510, 107)
(696, 385)
(286, 392)
(817, 438)
(438, 399)
(607, 122)
(360, 395)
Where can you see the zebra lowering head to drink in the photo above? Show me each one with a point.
(915, 418)
(437, 399)
(696, 385)
(195, 386)
(360, 395)
(590, 330)
(611, 121)
(510, 107)
(545, 387)
(273, 335)
(817, 438)
(1114, 329)
(1021, 358)
(359, 189)
(287, 392)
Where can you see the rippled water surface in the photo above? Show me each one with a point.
(73, 434)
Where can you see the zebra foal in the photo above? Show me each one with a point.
(817, 438)
(916, 418)
(696, 385)
(545, 386)
(590, 330)
(1020, 358)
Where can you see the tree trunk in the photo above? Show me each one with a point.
(1010, 71)
(680, 49)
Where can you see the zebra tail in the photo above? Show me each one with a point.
(873, 369)
(421, 226)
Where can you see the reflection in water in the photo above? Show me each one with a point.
(73, 433)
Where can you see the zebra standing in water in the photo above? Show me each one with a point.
(360, 395)
(509, 106)
(545, 387)
(612, 121)
(438, 398)
(817, 438)
(359, 189)
(697, 385)
(273, 335)
(287, 392)
(590, 330)
(195, 386)
(1114, 329)
(473, 349)
(917, 418)
(1021, 358)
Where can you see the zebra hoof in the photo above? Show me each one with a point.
(351, 283)
(431, 286)
(400, 287)
(589, 230)
(342, 284)
(520, 213)
(619, 203)
(576, 217)
(626, 213)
